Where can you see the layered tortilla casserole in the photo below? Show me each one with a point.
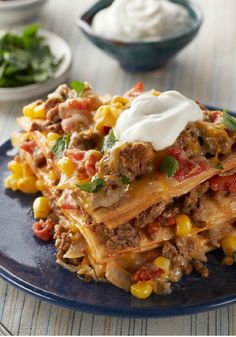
(121, 210)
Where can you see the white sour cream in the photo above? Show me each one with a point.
(135, 20)
(157, 119)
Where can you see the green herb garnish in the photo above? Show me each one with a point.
(219, 166)
(169, 166)
(25, 58)
(229, 121)
(61, 145)
(124, 180)
(78, 87)
(234, 256)
(109, 141)
(94, 186)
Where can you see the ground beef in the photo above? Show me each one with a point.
(55, 127)
(129, 160)
(191, 200)
(187, 137)
(84, 140)
(148, 216)
(179, 261)
(121, 237)
(39, 160)
(62, 242)
(53, 114)
(200, 268)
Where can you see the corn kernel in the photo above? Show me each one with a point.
(40, 185)
(120, 99)
(34, 110)
(66, 166)
(27, 184)
(11, 182)
(52, 138)
(41, 208)
(228, 245)
(52, 175)
(39, 112)
(106, 116)
(28, 110)
(26, 170)
(163, 263)
(15, 168)
(141, 289)
(183, 225)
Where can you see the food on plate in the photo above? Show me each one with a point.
(136, 189)
(25, 58)
(138, 20)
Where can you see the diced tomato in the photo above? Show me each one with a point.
(76, 154)
(145, 273)
(29, 146)
(43, 229)
(171, 220)
(68, 202)
(178, 153)
(137, 89)
(214, 115)
(153, 227)
(90, 169)
(187, 167)
(78, 104)
(224, 183)
(106, 129)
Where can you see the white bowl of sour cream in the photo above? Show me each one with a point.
(141, 34)
(138, 20)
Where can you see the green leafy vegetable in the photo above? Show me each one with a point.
(219, 166)
(229, 121)
(124, 180)
(78, 87)
(60, 146)
(169, 166)
(94, 186)
(26, 58)
(234, 256)
(109, 141)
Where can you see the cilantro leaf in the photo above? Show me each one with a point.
(124, 180)
(78, 87)
(61, 145)
(169, 166)
(229, 121)
(94, 186)
(26, 58)
(109, 141)
(219, 166)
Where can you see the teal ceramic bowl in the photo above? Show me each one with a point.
(143, 55)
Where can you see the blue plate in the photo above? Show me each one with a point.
(29, 264)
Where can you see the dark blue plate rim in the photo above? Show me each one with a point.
(104, 310)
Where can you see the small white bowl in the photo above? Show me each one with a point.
(18, 12)
(59, 48)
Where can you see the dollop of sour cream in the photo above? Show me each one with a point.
(157, 119)
(135, 20)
